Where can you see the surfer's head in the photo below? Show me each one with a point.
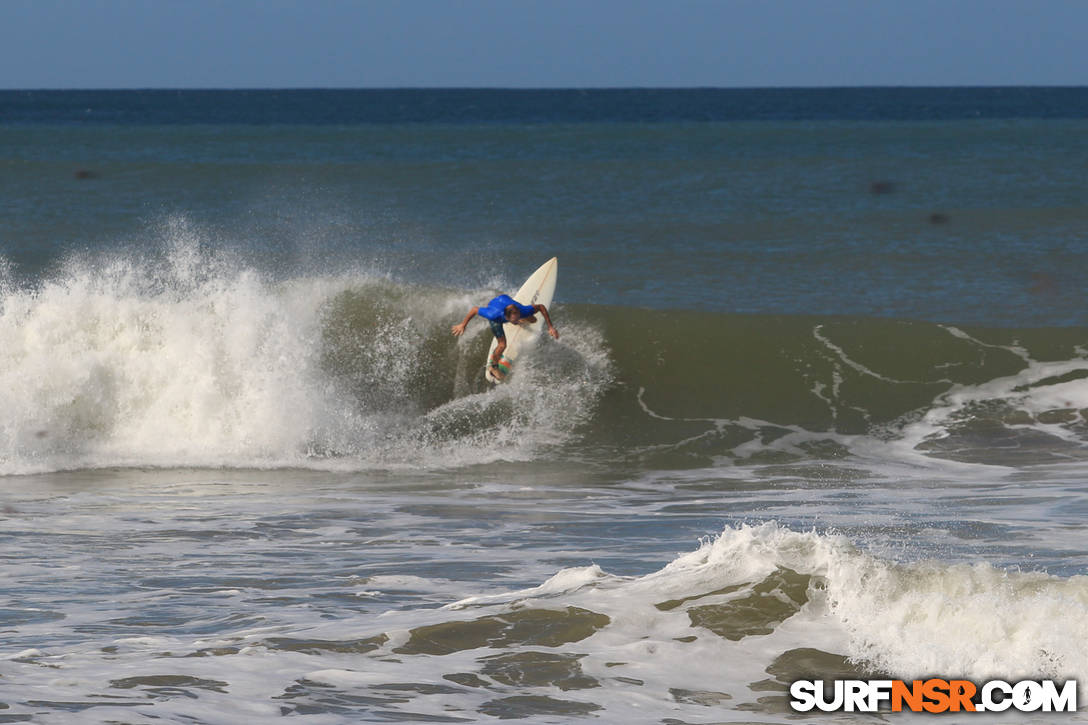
(512, 313)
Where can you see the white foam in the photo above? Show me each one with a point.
(194, 359)
(1028, 390)
(908, 619)
(914, 619)
(564, 581)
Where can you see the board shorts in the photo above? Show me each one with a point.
(496, 327)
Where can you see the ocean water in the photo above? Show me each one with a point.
(819, 407)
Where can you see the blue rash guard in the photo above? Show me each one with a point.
(495, 312)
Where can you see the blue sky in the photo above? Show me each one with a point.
(540, 43)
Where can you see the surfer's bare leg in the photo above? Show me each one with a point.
(496, 357)
(500, 348)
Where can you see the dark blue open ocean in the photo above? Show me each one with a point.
(819, 407)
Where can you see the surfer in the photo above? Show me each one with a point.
(505, 309)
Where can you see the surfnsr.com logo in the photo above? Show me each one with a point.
(933, 695)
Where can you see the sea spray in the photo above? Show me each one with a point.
(188, 358)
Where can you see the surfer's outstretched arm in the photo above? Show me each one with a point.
(459, 330)
(551, 328)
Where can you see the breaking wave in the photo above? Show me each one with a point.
(182, 357)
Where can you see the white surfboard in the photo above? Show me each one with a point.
(537, 290)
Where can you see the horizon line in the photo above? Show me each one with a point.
(542, 88)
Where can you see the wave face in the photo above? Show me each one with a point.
(186, 358)
(781, 388)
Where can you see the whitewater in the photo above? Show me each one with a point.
(196, 360)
